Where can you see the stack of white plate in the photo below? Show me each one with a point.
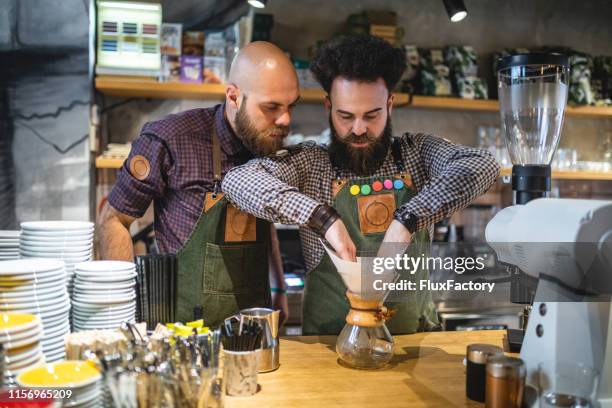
(20, 335)
(80, 378)
(70, 241)
(104, 295)
(37, 286)
(9, 245)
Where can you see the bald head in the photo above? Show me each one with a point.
(259, 64)
(262, 90)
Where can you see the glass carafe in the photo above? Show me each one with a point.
(365, 341)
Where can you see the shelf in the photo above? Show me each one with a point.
(109, 162)
(115, 163)
(572, 174)
(131, 87)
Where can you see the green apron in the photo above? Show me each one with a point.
(223, 266)
(325, 304)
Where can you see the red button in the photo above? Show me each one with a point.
(377, 186)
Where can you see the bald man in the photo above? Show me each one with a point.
(228, 260)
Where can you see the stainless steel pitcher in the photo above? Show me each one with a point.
(268, 353)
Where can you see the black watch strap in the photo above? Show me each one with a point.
(322, 218)
(408, 220)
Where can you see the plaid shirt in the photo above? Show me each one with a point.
(179, 150)
(287, 188)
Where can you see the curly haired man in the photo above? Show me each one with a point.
(366, 187)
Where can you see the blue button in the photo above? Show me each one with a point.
(398, 184)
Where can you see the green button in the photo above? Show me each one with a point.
(366, 189)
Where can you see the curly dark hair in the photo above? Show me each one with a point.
(359, 57)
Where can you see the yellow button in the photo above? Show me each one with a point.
(355, 189)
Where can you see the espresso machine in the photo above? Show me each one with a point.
(559, 250)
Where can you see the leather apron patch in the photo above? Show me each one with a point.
(337, 185)
(239, 226)
(211, 199)
(140, 167)
(375, 212)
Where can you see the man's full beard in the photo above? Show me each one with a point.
(361, 161)
(259, 143)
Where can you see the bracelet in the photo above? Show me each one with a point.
(278, 290)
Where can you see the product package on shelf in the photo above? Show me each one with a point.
(471, 87)
(462, 61)
(191, 68)
(580, 92)
(601, 81)
(171, 39)
(435, 74)
(215, 63)
(171, 48)
(409, 80)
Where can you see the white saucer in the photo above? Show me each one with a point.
(59, 248)
(73, 257)
(35, 331)
(21, 356)
(56, 225)
(24, 342)
(104, 286)
(106, 266)
(96, 308)
(27, 266)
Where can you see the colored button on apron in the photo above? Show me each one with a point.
(398, 184)
(355, 189)
(388, 184)
(366, 189)
(377, 186)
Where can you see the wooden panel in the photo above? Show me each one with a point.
(426, 371)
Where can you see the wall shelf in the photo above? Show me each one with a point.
(131, 87)
(117, 162)
(572, 174)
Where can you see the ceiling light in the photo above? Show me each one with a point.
(258, 3)
(456, 10)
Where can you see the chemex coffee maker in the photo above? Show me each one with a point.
(364, 342)
(560, 250)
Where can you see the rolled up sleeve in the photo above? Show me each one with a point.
(269, 188)
(132, 193)
(457, 175)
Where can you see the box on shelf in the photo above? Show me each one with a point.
(193, 43)
(191, 68)
(171, 39)
(171, 68)
(215, 62)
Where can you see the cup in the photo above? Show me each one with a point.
(566, 384)
(240, 372)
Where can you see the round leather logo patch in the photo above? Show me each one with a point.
(140, 167)
(377, 213)
(240, 222)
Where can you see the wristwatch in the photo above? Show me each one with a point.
(408, 220)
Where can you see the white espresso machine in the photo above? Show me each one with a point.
(564, 245)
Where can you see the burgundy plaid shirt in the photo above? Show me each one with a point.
(179, 150)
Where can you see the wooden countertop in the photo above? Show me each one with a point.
(426, 371)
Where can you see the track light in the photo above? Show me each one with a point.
(258, 3)
(456, 10)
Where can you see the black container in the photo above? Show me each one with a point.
(476, 375)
